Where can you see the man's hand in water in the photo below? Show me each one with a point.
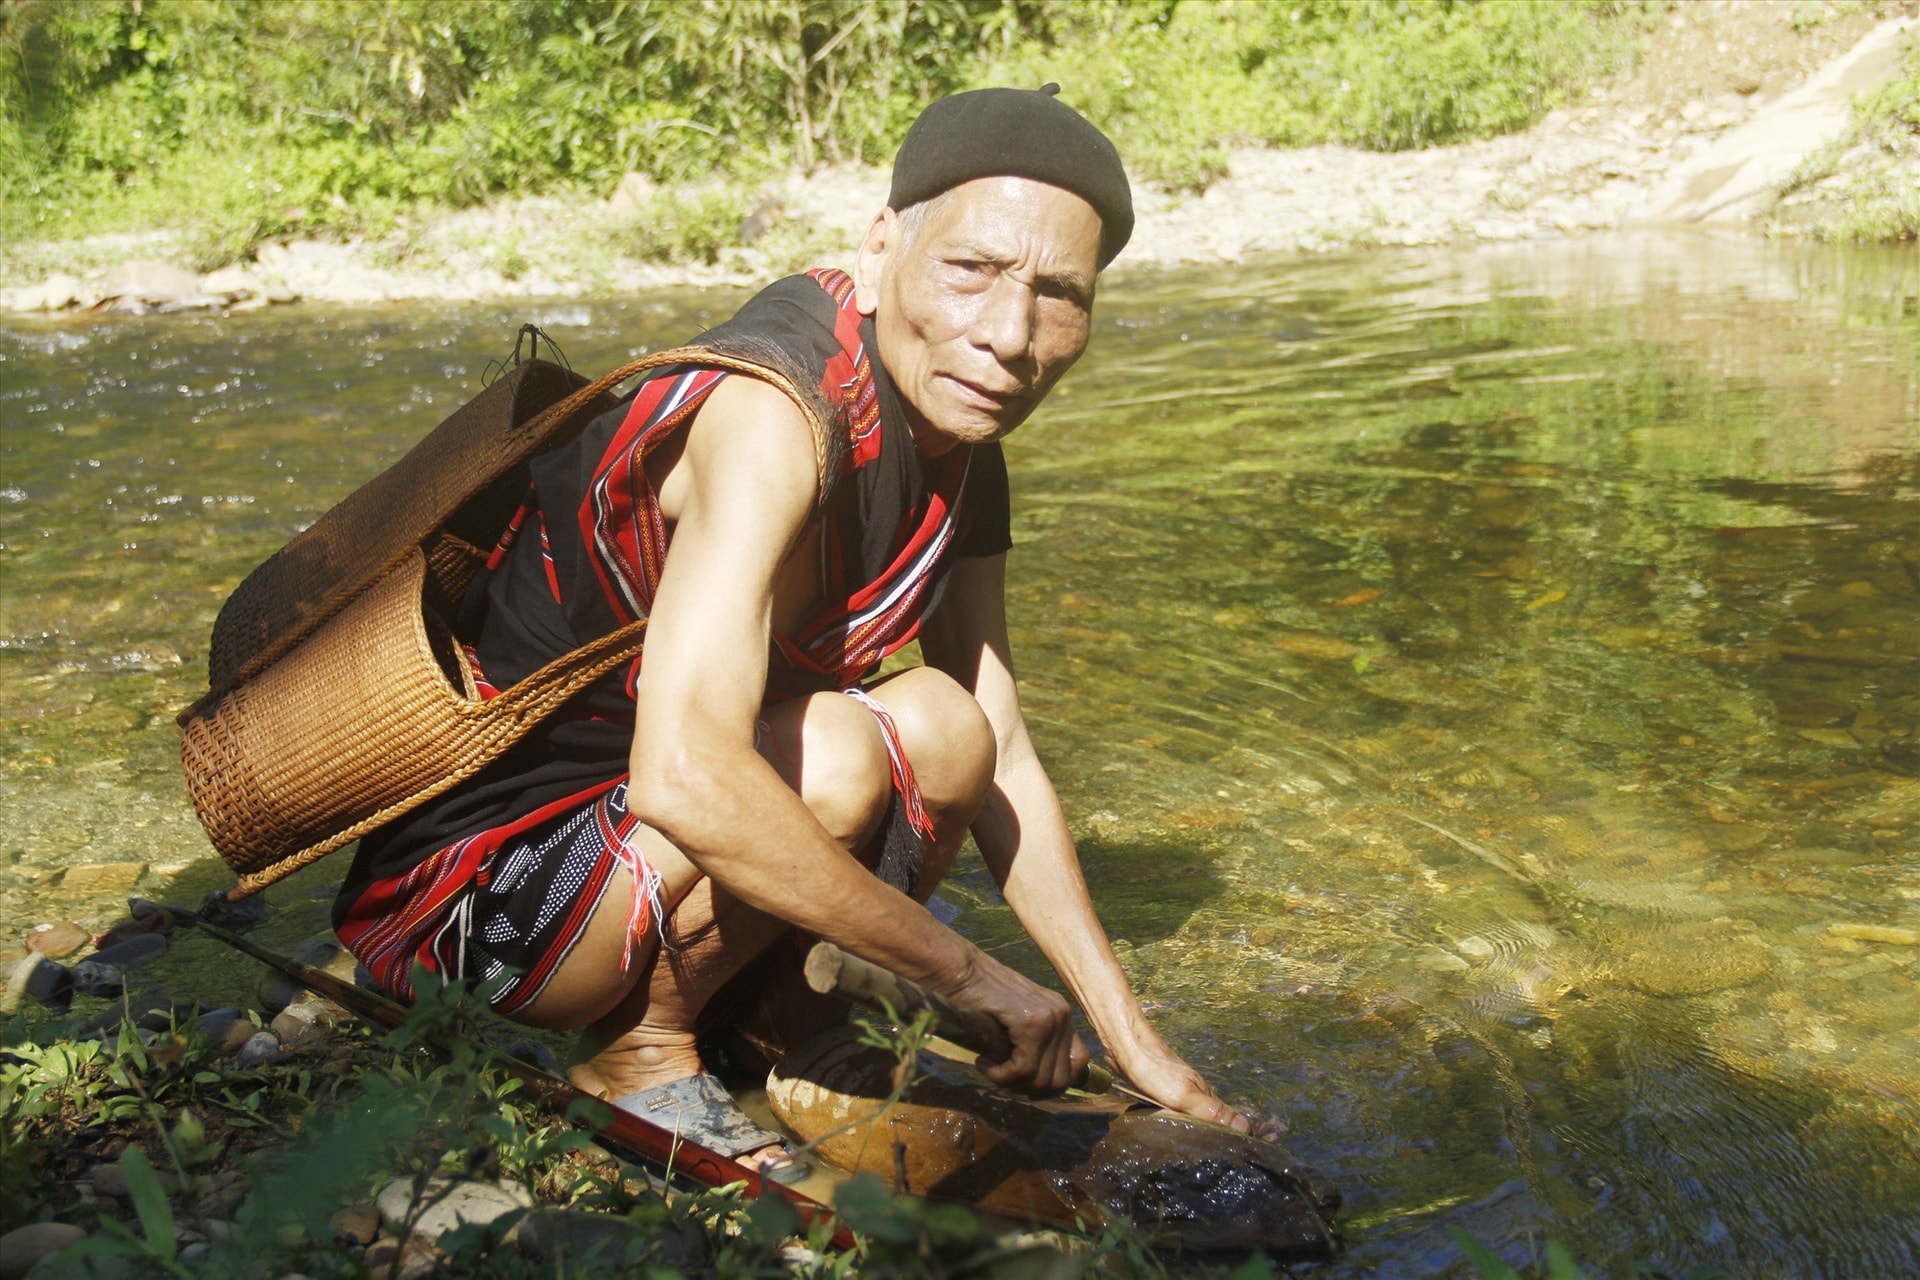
(1164, 1076)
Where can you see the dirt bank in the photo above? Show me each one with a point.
(1715, 73)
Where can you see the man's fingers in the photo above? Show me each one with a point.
(1043, 1060)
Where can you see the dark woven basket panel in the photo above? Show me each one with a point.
(467, 461)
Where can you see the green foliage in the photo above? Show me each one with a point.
(1174, 81)
(244, 120)
(684, 226)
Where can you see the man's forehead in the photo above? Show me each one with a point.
(1014, 215)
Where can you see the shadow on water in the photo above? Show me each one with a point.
(1486, 688)
(1147, 891)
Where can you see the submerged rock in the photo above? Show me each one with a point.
(1311, 644)
(102, 877)
(130, 953)
(1889, 935)
(56, 939)
(1692, 968)
(38, 978)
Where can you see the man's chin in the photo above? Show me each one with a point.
(967, 425)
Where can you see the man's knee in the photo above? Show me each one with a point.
(946, 735)
(843, 772)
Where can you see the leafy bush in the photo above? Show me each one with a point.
(247, 119)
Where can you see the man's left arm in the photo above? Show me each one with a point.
(1022, 833)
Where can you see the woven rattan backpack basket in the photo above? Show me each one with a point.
(339, 698)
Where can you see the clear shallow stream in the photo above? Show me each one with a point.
(1487, 686)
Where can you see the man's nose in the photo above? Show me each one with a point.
(1005, 321)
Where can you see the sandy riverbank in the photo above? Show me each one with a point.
(1731, 97)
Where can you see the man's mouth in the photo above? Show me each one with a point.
(986, 397)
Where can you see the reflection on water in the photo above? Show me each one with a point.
(1487, 686)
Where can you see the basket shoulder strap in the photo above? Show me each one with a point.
(538, 694)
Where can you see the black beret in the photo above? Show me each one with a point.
(1021, 133)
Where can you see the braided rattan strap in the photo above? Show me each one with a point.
(340, 699)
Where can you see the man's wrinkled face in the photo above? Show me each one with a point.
(980, 302)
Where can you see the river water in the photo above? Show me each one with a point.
(1486, 686)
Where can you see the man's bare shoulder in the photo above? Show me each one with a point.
(749, 443)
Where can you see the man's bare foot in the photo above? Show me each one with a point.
(618, 1069)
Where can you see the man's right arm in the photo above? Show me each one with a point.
(739, 497)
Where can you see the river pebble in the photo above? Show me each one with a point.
(308, 1016)
(441, 1206)
(225, 1029)
(22, 1247)
(160, 924)
(38, 978)
(416, 1261)
(131, 952)
(356, 1224)
(111, 1180)
(91, 978)
(259, 1050)
(323, 952)
(56, 939)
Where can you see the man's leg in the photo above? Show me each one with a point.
(949, 743)
(829, 749)
(824, 747)
(947, 740)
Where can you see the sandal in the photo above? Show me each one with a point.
(700, 1109)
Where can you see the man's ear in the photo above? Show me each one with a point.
(883, 234)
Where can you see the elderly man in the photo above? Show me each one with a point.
(829, 489)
